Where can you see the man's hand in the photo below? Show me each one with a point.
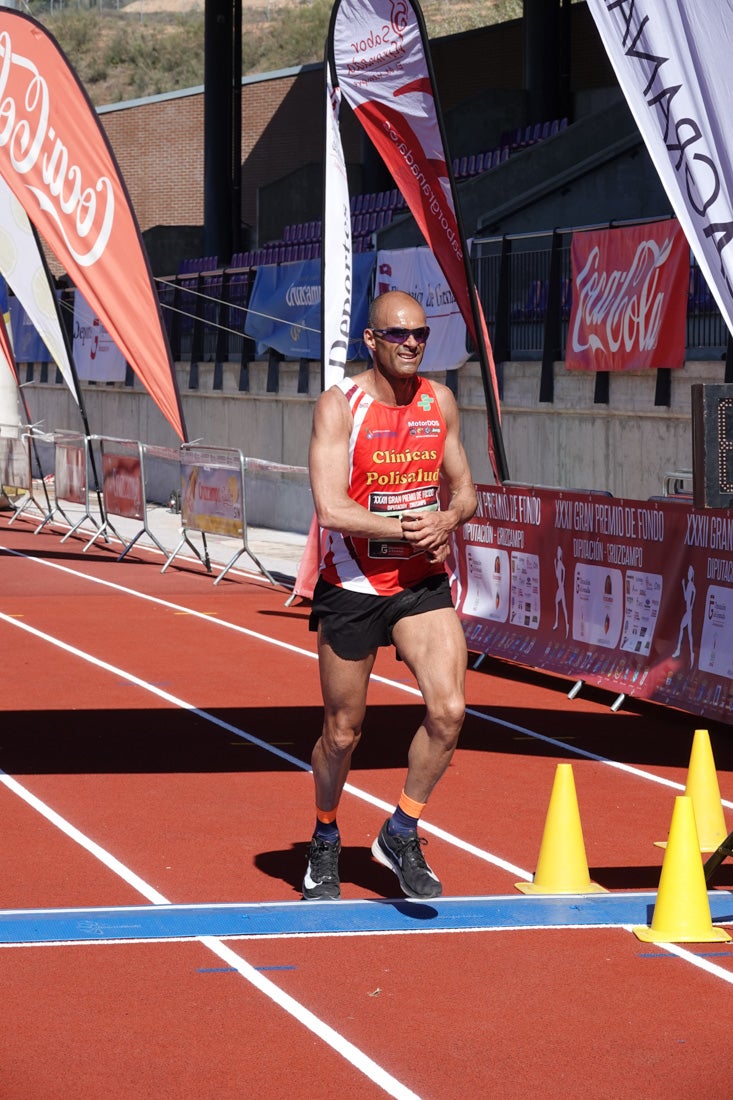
(427, 532)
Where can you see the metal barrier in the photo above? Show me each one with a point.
(123, 487)
(16, 475)
(71, 479)
(678, 484)
(213, 502)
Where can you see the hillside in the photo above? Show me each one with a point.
(147, 47)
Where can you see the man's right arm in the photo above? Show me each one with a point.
(328, 464)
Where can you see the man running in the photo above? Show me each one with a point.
(381, 442)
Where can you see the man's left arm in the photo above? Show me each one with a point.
(431, 531)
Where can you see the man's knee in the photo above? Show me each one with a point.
(340, 736)
(446, 716)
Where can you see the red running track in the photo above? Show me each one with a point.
(142, 718)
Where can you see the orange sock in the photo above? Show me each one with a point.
(326, 827)
(406, 816)
(410, 807)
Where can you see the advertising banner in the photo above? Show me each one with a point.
(632, 596)
(15, 463)
(122, 474)
(336, 258)
(56, 159)
(28, 347)
(672, 61)
(22, 264)
(285, 307)
(6, 346)
(96, 356)
(381, 63)
(70, 467)
(212, 491)
(629, 298)
(417, 271)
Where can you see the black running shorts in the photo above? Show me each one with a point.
(355, 624)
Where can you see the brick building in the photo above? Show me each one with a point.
(483, 88)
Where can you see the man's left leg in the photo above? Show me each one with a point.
(433, 647)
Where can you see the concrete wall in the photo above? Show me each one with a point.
(626, 447)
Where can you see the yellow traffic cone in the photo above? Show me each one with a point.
(682, 910)
(702, 787)
(562, 867)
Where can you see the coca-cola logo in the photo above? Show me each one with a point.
(620, 308)
(82, 211)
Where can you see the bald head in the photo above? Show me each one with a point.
(388, 305)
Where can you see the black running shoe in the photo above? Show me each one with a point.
(403, 855)
(321, 882)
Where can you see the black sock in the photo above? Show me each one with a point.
(401, 824)
(328, 832)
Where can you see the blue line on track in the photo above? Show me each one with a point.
(161, 922)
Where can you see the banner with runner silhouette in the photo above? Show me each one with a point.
(632, 596)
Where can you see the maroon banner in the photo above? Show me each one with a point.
(632, 596)
(629, 292)
(56, 159)
(70, 469)
(124, 492)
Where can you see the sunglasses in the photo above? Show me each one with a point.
(401, 335)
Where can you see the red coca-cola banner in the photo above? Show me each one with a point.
(55, 158)
(633, 596)
(629, 297)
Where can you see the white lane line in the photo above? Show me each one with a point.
(696, 960)
(182, 704)
(398, 685)
(300, 764)
(81, 839)
(361, 1061)
(335, 1040)
(153, 689)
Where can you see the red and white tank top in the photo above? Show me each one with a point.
(395, 456)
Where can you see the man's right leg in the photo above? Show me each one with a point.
(344, 689)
